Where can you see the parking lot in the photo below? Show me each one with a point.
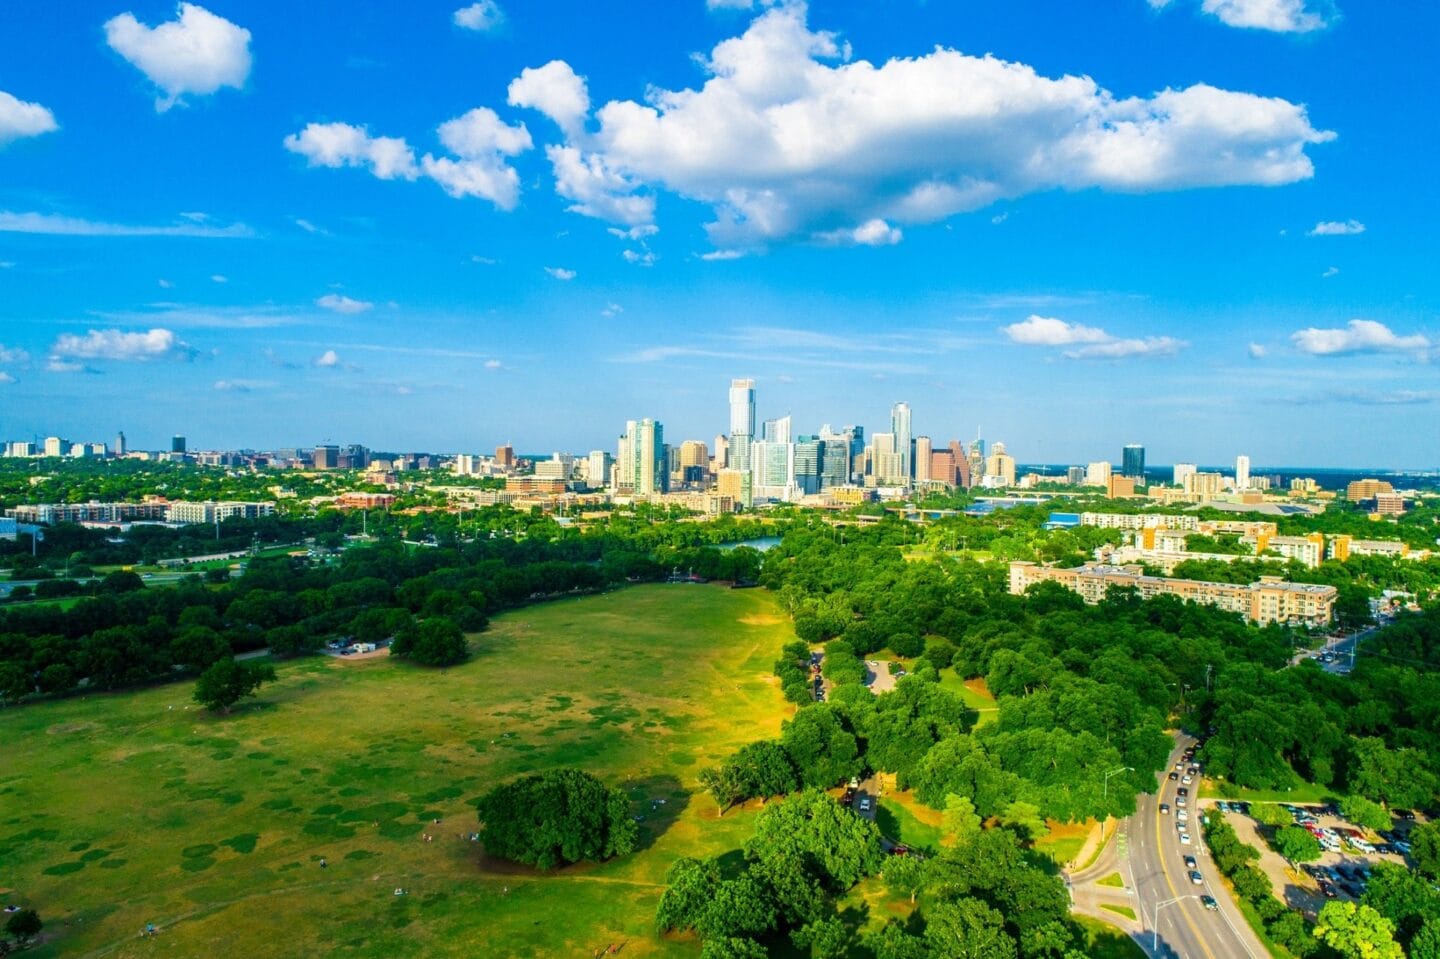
(1344, 866)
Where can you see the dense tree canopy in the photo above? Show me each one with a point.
(556, 817)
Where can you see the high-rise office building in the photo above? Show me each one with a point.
(177, 443)
(742, 423)
(597, 469)
(835, 461)
(777, 430)
(1075, 476)
(900, 427)
(1132, 462)
(505, 456)
(1000, 466)
(923, 452)
(1183, 471)
(327, 457)
(887, 464)
(809, 455)
(642, 463)
(1097, 474)
(1242, 472)
(120, 444)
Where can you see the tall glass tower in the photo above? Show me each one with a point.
(742, 423)
(900, 427)
(1132, 463)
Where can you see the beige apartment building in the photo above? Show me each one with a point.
(1269, 601)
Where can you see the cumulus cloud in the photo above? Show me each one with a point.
(874, 232)
(6, 378)
(337, 145)
(13, 355)
(327, 360)
(555, 90)
(788, 138)
(1337, 228)
(639, 257)
(479, 140)
(196, 53)
(1358, 336)
(482, 16)
(21, 119)
(1088, 342)
(47, 223)
(560, 273)
(342, 304)
(118, 345)
(1279, 16)
(1258, 352)
(1048, 331)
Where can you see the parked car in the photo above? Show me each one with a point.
(1182, 791)
(1173, 777)
(864, 803)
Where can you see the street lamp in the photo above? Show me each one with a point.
(1106, 800)
(1155, 940)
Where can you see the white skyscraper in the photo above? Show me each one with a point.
(1242, 472)
(900, 426)
(1183, 471)
(742, 422)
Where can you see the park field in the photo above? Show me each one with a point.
(123, 809)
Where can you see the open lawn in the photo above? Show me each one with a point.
(1107, 942)
(901, 817)
(1304, 793)
(118, 810)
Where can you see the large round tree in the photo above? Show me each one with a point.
(554, 818)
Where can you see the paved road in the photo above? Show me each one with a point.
(1155, 869)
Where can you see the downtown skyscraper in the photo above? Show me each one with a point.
(742, 423)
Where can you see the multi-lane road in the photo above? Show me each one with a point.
(1175, 921)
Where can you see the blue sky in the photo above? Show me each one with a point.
(1203, 225)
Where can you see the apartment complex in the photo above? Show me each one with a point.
(1270, 600)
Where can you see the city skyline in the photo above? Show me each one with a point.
(446, 230)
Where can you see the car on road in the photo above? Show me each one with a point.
(1209, 903)
(1196, 878)
(1184, 839)
(1181, 791)
(1164, 809)
(1179, 800)
(1173, 777)
(1187, 779)
(1189, 862)
(864, 803)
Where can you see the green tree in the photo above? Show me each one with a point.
(1426, 944)
(689, 889)
(228, 681)
(825, 938)
(556, 817)
(1425, 848)
(904, 876)
(960, 823)
(1271, 814)
(739, 908)
(24, 925)
(431, 642)
(822, 749)
(1364, 812)
(968, 929)
(1357, 932)
(1024, 819)
(1297, 844)
(732, 947)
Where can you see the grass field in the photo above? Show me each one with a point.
(118, 810)
(901, 817)
(1106, 942)
(1304, 793)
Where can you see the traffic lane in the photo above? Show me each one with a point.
(1191, 929)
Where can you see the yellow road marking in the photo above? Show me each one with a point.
(1174, 893)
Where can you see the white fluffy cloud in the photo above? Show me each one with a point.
(789, 139)
(1088, 342)
(21, 119)
(555, 90)
(1280, 16)
(479, 140)
(328, 360)
(120, 346)
(342, 304)
(1258, 351)
(13, 354)
(560, 273)
(337, 145)
(481, 16)
(6, 378)
(1047, 331)
(198, 52)
(1337, 228)
(1358, 336)
(874, 232)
